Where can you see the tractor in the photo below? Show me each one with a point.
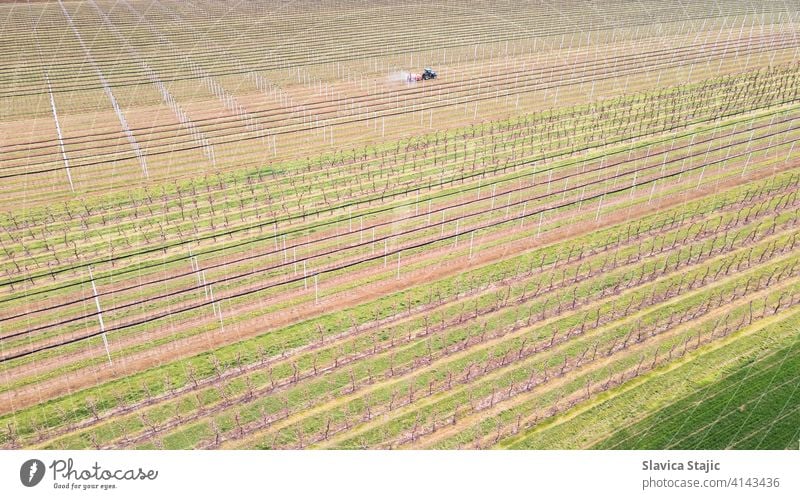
(427, 74)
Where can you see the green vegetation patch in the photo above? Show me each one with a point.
(743, 395)
(755, 407)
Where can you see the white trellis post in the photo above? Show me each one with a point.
(599, 205)
(60, 137)
(205, 284)
(219, 310)
(539, 230)
(471, 241)
(100, 317)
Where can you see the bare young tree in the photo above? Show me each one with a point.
(91, 406)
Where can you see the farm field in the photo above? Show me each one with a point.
(726, 406)
(242, 225)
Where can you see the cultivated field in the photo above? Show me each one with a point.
(238, 225)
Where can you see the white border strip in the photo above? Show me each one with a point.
(405, 474)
